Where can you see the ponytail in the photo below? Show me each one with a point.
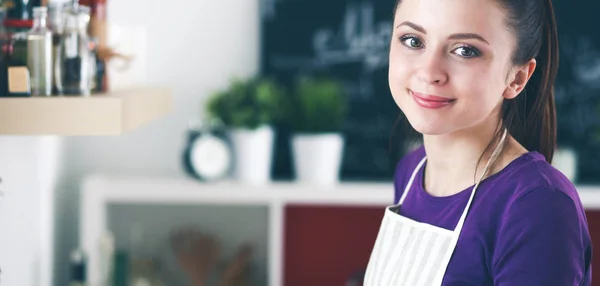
(531, 117)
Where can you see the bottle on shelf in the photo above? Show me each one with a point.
(4, 34)
(39, 53)
(17, 9)
(78, 266)
(14, 74)
(98, 30)
(56, 24)
(73, 65)
(143, 268)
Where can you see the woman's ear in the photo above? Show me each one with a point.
(519, 79)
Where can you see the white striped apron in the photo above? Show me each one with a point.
(411, 253)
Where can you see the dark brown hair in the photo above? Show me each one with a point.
(531, 116)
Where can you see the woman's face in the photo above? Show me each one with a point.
(450, 64)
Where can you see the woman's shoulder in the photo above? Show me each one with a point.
(537, 209)
(531, 173)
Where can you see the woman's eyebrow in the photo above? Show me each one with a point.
(412, 25)
(467, 36)
(457, 36)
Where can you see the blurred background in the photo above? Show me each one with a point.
(275, 162)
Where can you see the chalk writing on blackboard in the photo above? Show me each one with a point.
(358, 39)
(586, 61)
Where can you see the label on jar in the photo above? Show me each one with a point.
(18, 80)
(71, 46)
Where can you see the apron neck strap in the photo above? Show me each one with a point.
(492, 159)
(412, 178)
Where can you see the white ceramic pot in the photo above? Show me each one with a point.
(318, 158)
(253, 153)
(565, 160)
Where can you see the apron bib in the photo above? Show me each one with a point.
(411, 253)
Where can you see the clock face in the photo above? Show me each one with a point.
(210, 157)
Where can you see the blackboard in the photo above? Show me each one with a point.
(349, 39)
(577, 89)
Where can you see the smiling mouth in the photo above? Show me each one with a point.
(431, 101)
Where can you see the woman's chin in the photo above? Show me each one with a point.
(429, 128)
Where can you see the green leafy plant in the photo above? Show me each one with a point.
(247, 104)
(319, 106)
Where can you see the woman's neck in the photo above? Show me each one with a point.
(453, 160)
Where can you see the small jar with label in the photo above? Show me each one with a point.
(74, 58)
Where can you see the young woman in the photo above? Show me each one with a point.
(479, 203)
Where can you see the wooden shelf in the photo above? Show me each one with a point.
(112, 113)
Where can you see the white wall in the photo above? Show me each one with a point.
(30, 167)
(193, 47)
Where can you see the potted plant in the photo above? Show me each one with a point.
(317, 117)
(248, 109)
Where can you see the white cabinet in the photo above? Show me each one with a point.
(102, 193)
(109, 203)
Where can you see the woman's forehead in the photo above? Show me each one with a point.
(453, 16)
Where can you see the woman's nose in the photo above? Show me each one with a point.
(432, 69)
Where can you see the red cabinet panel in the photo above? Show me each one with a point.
(325, 245)
(593, 218)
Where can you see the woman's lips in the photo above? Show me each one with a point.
(430, 101)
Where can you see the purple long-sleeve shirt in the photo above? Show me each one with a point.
(526, 225)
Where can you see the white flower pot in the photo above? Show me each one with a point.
(253, 153)
(318, 158)
(565, 160)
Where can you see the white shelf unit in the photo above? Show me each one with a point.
(100, 191)
(32, 150)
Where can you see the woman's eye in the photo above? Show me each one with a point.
(411, 42)
(467, 52)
